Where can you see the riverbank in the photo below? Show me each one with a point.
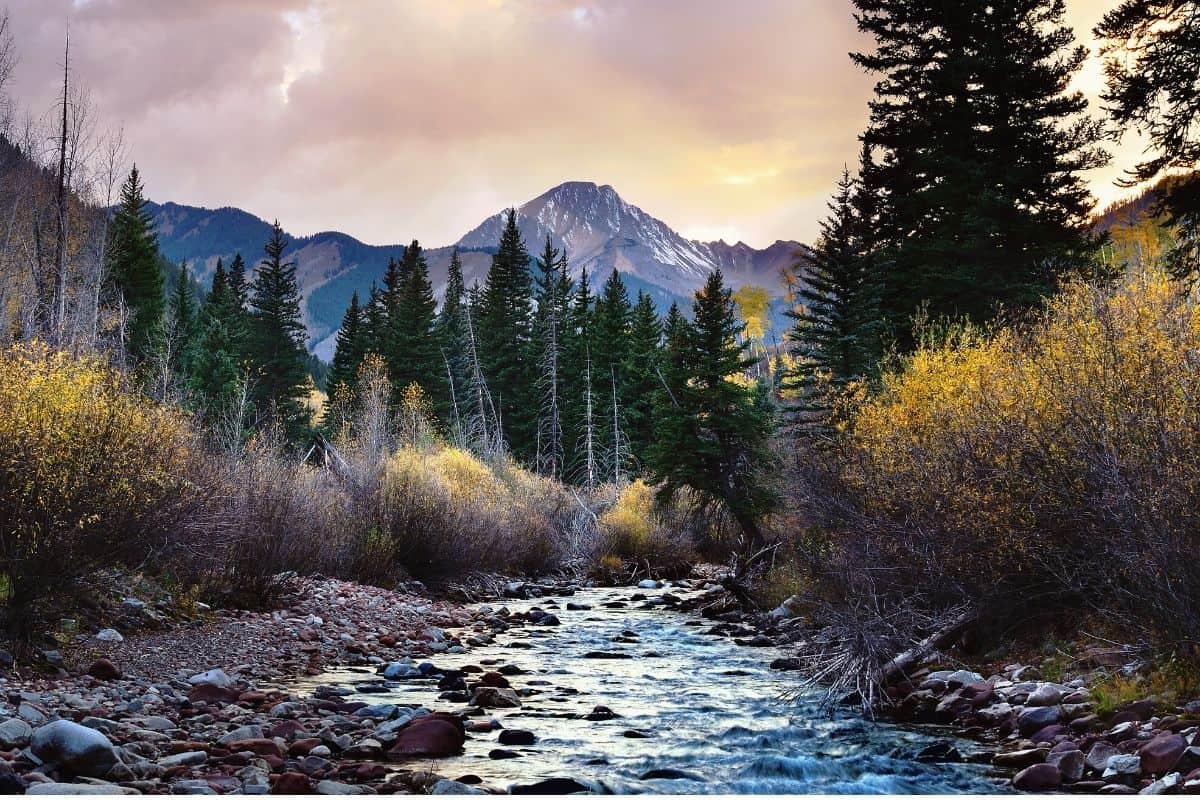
(353, 689)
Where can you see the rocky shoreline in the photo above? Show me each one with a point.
(209, 706)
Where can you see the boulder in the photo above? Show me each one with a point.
(517, 737)
(109, 635)
(433, 735)
(1038, 778)
(1046, 694)
(551, 786)
(1160, 754)
(74, 749)
(14, 734)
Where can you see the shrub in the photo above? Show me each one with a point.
(90, 474)
(643, 535)
(1033, 470)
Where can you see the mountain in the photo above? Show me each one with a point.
(600, 231)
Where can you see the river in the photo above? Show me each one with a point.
(709, 715)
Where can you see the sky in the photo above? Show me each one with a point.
(419, 118)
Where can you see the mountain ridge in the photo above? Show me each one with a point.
(599, 229)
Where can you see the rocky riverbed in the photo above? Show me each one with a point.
(351, 689)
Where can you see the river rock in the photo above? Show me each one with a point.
(1019, 759)
(190, 758)
(14, 734)
(77, 789)
(551, 786)
(1160, 754)
(1165, 784)
(445, 786)
(237, 734)
(1070, 763)
(517, 737)
(334, 787)
(104, 670)
(1038, 778)
(1035, 718)
(110, 636)
(1047, 694)
(291, 783)
(74, 749)
(495, 697)
(434, 735)
(212, 677)
(1098, 756)
(1123, 766)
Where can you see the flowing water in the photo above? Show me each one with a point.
(714, 713)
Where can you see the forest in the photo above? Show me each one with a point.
(979, 431)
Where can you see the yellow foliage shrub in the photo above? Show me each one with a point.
(1052, 462)
(636, 531)
(89, 472)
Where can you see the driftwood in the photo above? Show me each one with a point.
(896, 668)
(736, 582)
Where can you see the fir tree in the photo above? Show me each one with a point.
(183, 324)
(547, 352)
(412, 353)
(836, 329)
(276, 342)
(713, 429)
(134, 261)
(347, 357)
(983, 202)
(239, 290)
(641, 376)
(451, 335)
(610, 350)
(576, 377)
(504, 332)
(218, 371)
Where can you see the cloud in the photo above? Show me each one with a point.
(391, 120)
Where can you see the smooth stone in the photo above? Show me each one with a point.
(1038, 778)
(212, 677)
(74, 748)
(76, 789)
(14, 734)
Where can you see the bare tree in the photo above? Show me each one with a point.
(484, 429)
(550, 450)
(589, 429)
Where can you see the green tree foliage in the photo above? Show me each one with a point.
(183, 327)
(641, 376)
(347, 357)
(239, 289)
(276, 340)
(713, 426)
(218, 371)
(982, 149)
(552, 288)
(504, 329)
(450, 330)
(577, 347)
(836, 322)
(134, 262)
(610, 350)
(410, 349)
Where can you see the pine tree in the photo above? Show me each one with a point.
(576, 377)
(183, 324)
(641, 376)
(239, 290)
(610, 350)
(218, 370)
(504, 331)
(983, 147)
(343, 370)
(547, 351)
(412, 351)
(713, 429)
(134, 261)
(836, 328)
(276, 342)
(450, 332)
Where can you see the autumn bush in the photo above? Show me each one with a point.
(1038, 470)
(644, 536)
(90, 474)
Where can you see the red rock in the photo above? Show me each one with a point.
(291, 783)
(977, 693)
(252, 697)
(223, 784)
(1160, 753)
(1038, 778)
(387, 640)
(207, 693)
(260, 747)
(301, 747)
(274, 762)
(370, 772)
(308, 635)
(494, 679)
(175, 748)
(104, 670)
(433, 735)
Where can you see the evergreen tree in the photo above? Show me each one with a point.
(983, 148)
(610, 351)
(412, 350)
(374, 322)
(576, 377)
(276, 342)
(451, 334)
(347, 357)
(218, 370)
(239, 290)
(504, 332)
(836, 329)
(641, 376)
(183, 324)
(551, 287)
(134, 261)
(713, 429)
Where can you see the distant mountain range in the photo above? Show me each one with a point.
(600, 231)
